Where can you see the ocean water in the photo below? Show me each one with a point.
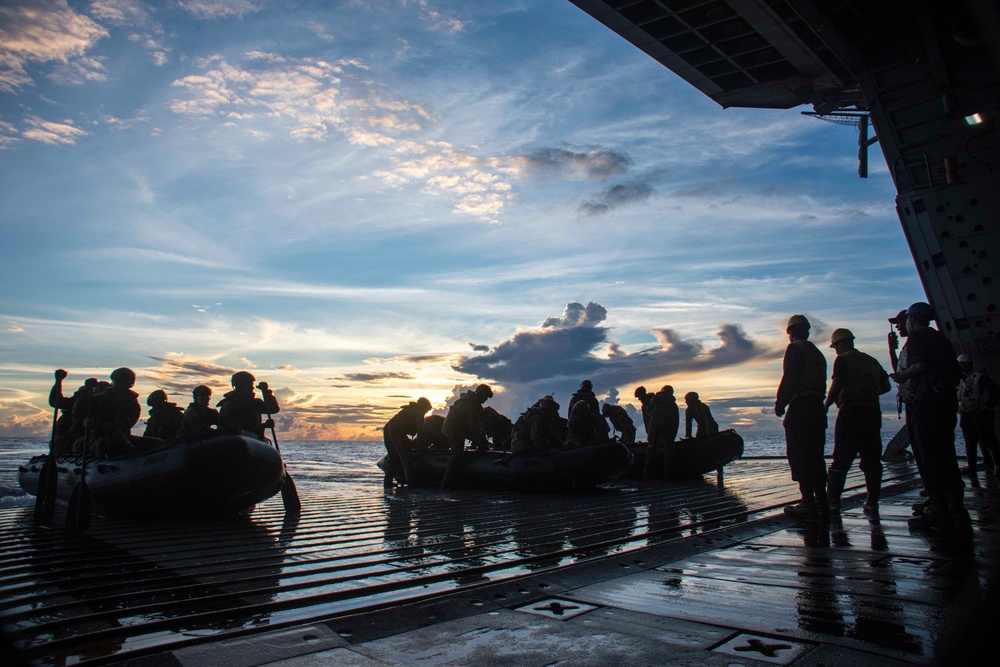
(344, 467)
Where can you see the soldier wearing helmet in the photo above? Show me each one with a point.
(586, 394)
(164, 417)
(928, 378)
(664, 421)
(398, 434)
(114, 412)
(698, 412)
(645, 401)
(858, 380)
(240, 409)
(464, 421)
(199, 418)
(978, 395)
(620, 421)
(801, 393)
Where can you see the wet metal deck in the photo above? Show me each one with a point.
(360, 572)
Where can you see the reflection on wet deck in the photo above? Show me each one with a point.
(126, 589)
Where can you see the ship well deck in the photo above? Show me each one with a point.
(357, 571)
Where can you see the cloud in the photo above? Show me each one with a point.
(378, 377)
(617, 196)
(52, 133)
(135, 17)
(216, 9)
(564, 350)
(43, 31)
(594, 164)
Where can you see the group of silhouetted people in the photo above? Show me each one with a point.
(540, 429)
(100, 415)
(934, 386)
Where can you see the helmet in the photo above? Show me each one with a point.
(900, 317)
(157, 397)
(964, 359)
(123, 376)
(587, 385)
(201, 390)
(839, 335)
(921, 309)
(483, 391)
(423, 404)
(640, 391)
(691, 396)
(797, 320)
(667, 389)
(242, 378)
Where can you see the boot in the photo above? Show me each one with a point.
(387, 480)
(873, 485)
(822, 502)
(835, 481)
(806, 507)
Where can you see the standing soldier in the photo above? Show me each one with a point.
(802, 390)
(464, 422)
(858, 380)
(664, 421)
(397, 434)
(928, 378)
(978, 395)
(645, 400)
(240, 410)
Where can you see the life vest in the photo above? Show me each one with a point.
(970, 398)
(812, 381)
(862, 379)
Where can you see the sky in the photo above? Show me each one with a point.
(364, 202)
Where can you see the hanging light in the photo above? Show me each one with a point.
(974, 119)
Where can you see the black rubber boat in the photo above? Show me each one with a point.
(171, 478)
(566, 470)
(690, 457)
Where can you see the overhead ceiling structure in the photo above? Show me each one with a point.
(927, 74)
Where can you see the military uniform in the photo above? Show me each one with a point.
(800, 397)
(240, 411)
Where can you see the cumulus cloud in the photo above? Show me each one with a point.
(45, 31)
(563, 350)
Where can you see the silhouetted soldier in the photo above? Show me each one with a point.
(928, 378)
(802, 391)
(538, 429)
(698, 413)
(621, 421)
(199, 418)
(978, 395)
(114, 412)
(240, 410)
(584, 393)
(664, 422)
(858, 380)
(67, 429)
(645, 402)
(396, 435)
(164, 417)
(464, 422)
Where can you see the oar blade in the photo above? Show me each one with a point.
(290, 495)
(45, 500)
(79, 513)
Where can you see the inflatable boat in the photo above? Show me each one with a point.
(171, 478)
(566, 470)
(691, 457)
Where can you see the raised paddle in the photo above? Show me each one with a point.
(289, 494)
(78, 514)
(48, 478)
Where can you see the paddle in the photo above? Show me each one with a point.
(289, 494)
(78, 515)
(48, 478)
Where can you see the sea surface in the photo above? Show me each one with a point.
(339, 466)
